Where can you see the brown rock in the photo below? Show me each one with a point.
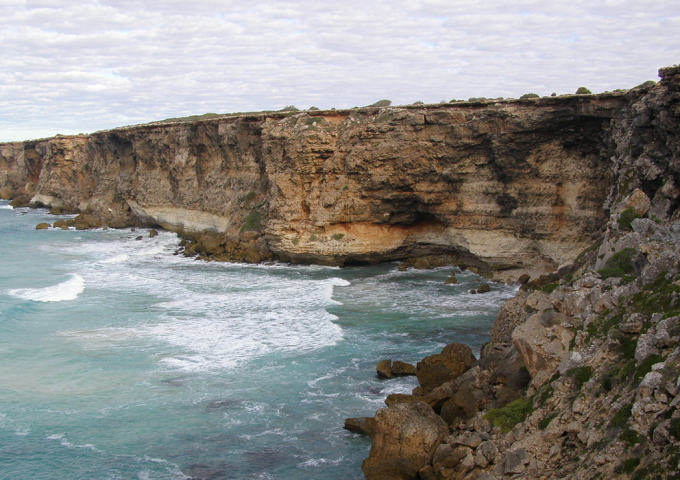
(384, 369)
(153, 233)
(362, 425)
(20, 201)
(395, 398)
(523, 279)
(484, 288)
(63, 224)
(55, 210)
(402, 369)
(405, 439)
(436, 369)
(252, 255)
(452, 280)
(86, 221)
(42, 226)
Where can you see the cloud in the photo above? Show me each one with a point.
(69, 67)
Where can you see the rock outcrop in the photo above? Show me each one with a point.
(582, 376)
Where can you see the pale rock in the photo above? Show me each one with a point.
(588, 280)
(467, 463)
(539, 301)
(468, 439)
(489, 451)
(570, 360)
(569, 301)
(542, 342)
(637, 201)
(515, 461)
(645, 346)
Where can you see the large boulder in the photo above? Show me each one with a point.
(405, 438)
(542, 342)
(437, 369)
(512, 313)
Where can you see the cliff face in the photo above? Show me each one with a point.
(517, 184)
(581, 378)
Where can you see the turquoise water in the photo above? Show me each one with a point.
(120, 360)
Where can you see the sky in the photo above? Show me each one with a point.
(80, 66)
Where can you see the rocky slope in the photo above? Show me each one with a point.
(581, 378)
(509, 186)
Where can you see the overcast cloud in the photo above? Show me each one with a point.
(69, 67)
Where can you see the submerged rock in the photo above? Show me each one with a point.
(42, 226)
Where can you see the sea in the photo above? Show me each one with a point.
(120, 359)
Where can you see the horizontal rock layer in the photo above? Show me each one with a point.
(520, 185)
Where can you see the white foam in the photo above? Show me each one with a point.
(68, 290)
(6, 207)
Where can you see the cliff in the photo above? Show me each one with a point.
(582, 377)
(507, 185)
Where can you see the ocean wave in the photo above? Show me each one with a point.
(68, 290)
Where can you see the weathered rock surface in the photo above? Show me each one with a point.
(437, 369)
(404, 441)
(517, 186)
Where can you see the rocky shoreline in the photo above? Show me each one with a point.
(576, 198)
(582, 376)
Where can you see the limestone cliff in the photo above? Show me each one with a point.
(582, 377)
(517, 185)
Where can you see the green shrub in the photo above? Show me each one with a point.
(545, 393)
(581, 375)
(337, 236)
(510, 415)
(627, 347)
(619, 265)
(607, 383)
(253, 221)
(630, 437)
(628, 466)
(549, 288)
(646, 365)
(382, 103)
(621, 417)
(647, 84)
(583, 91)
(295, 241)
(527, 96)
(543, 424)
(289, 108)
(626, 219)
(626, 370)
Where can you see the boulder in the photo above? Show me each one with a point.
(637, 201)
(542, 342)
(402, 369)
(405, 439)
(539, 300)
(20, 201)
(153, 233)
(452, 280)
(42, 226)
(437, 369)
(523, 279)
(570, 301)
(464, 404)
(484, 288)
(512, 313)
(384, 368)
(85, 221)
(362, 425)
(63, 224)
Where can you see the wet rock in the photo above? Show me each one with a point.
(42, 226)
(452, 280)
(402, 369)
(86, 221)
(153, 233)
(55, 210)
(434, 370)
(362, 425)
(252, 255)
(405, 439)
(63, 224)
(384, 369)
(484, 288)
(396, 398)
(140, 237)
(20, 201)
